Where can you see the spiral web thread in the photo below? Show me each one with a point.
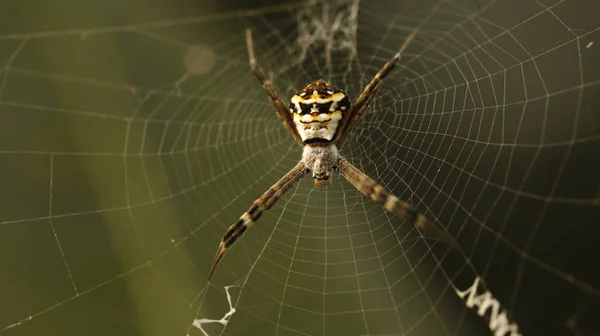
(127, 150)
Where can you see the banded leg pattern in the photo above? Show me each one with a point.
(281, 110)
(262, 204)
(391, 202)
(370, 91)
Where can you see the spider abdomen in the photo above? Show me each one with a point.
(317, 110)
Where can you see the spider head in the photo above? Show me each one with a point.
(321, 160)
(322, 179)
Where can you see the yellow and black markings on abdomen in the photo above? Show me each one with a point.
(317, 111)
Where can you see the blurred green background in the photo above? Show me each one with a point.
(132, 134)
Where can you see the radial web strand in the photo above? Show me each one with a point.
(131, 139)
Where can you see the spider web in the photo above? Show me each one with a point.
(130, 140)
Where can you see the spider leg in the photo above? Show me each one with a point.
(362, 102)
(264, 203)
(391, 203)
(281, 110)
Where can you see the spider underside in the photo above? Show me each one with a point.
(318, 118)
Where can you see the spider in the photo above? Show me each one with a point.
(318, 118)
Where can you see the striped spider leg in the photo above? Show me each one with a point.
(264, 203)
(281, 110)
(390, 202)
(319, 117)
(364, 183)
(369, 92)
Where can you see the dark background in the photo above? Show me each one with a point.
(119, 172)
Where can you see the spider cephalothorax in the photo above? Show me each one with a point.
(318, 118)
(321, 160)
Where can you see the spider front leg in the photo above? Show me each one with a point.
(264, 203)
(391, 203)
